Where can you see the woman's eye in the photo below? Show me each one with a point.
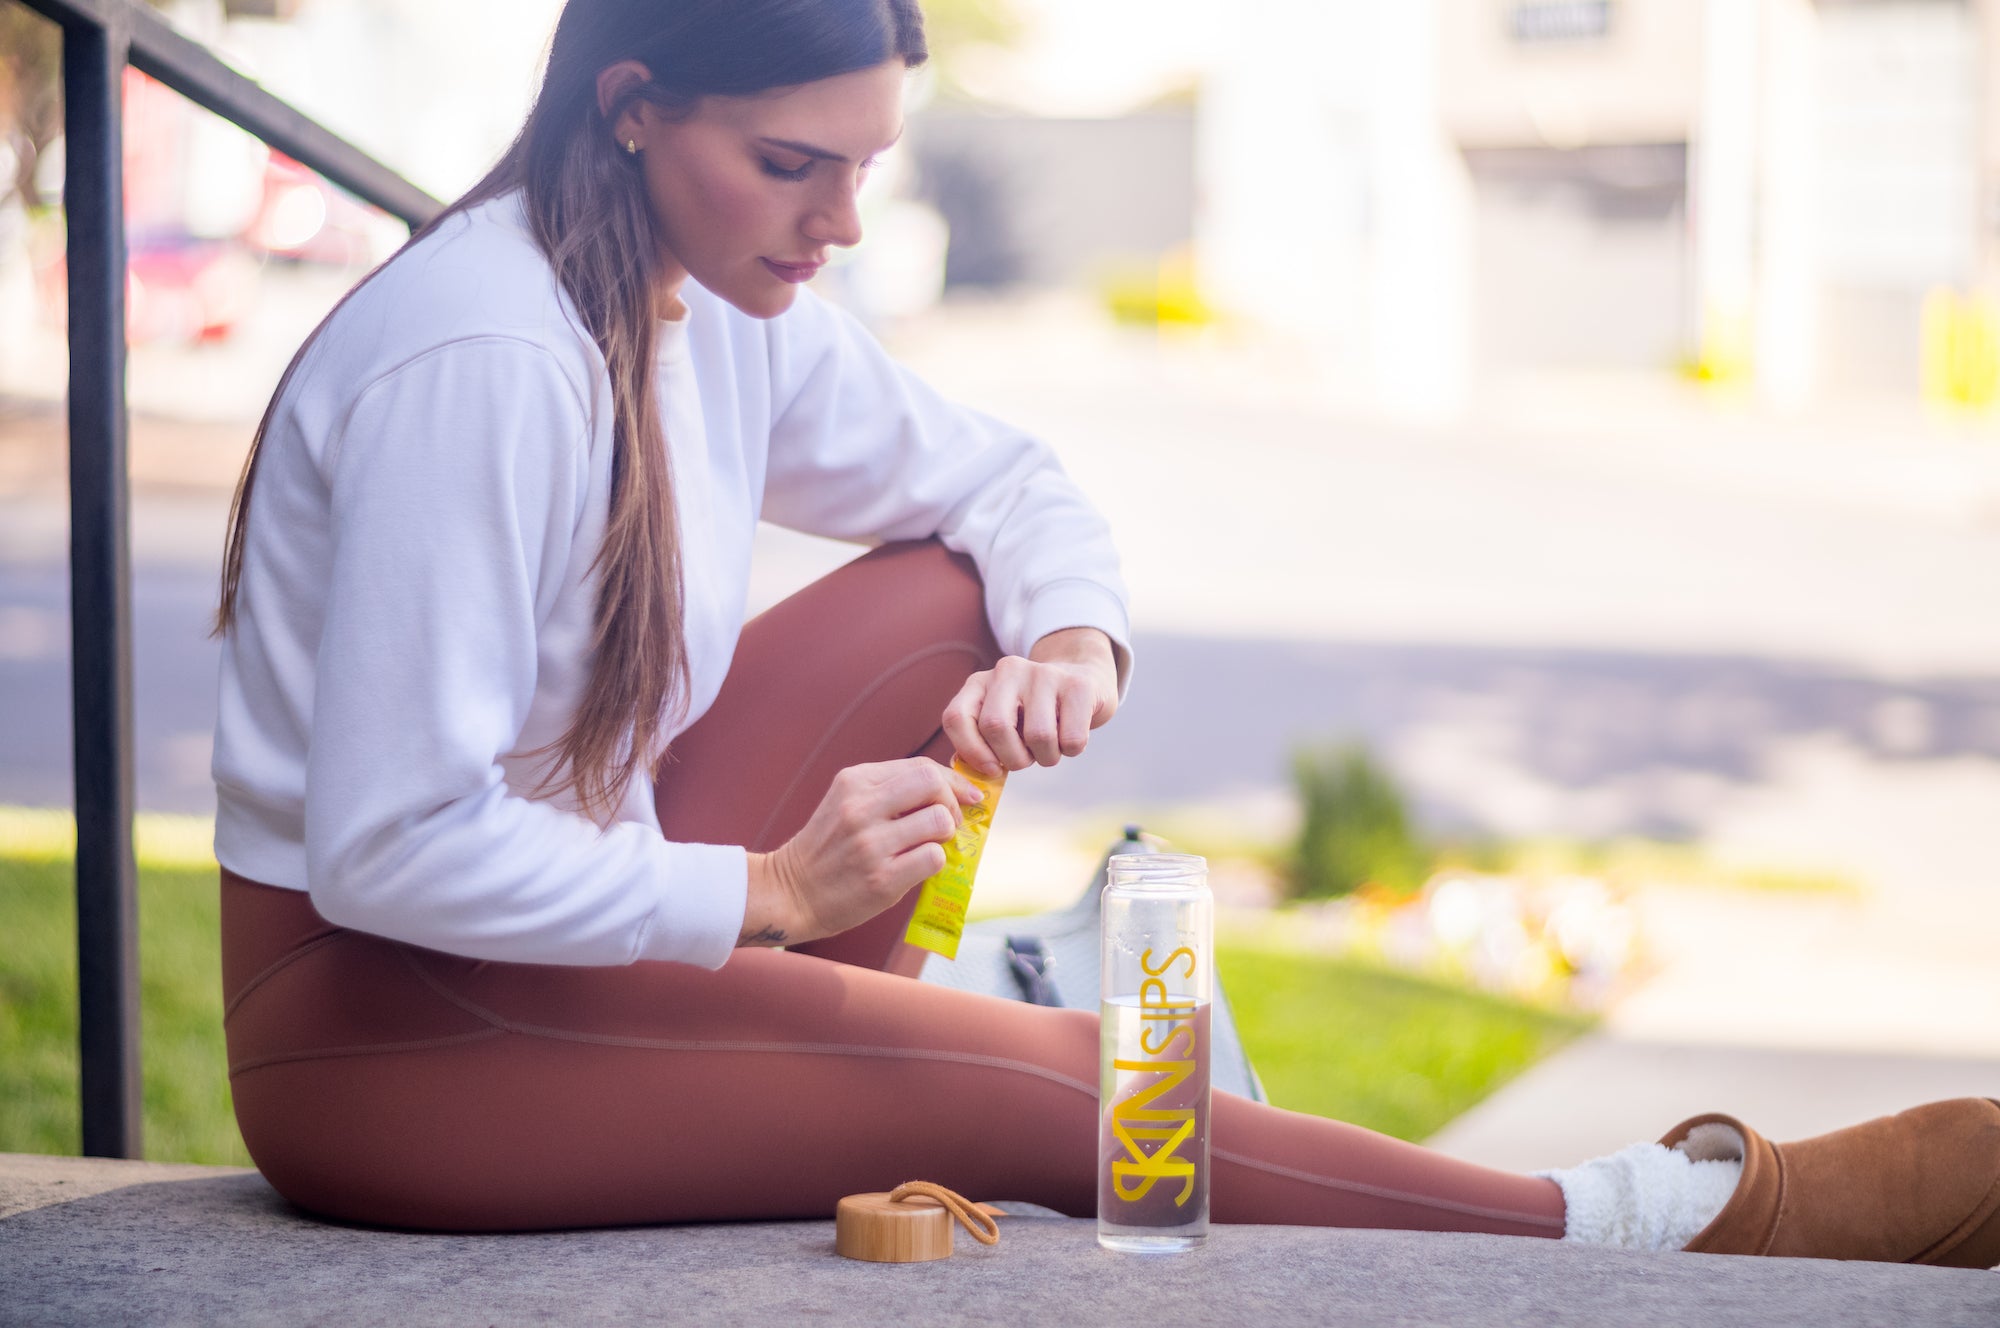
(773, 168)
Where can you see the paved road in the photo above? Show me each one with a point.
(1584, 741)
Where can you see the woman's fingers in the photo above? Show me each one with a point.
(964, 791)
(1074, 713)
(899, 789)
(1022, 713)
(961, 725)
(876, 833)
(1057, 708)
(1040, 723)
(881, 828)
(917, 865)
(931, 823)
(1000, 714)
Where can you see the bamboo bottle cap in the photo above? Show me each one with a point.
(869, 1226)
(910, 1224)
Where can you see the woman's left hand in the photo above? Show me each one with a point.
(1036, 710)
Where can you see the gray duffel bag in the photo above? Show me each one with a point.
(1053, 959)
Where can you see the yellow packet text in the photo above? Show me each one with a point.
(941, 901)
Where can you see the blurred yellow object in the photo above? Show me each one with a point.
(1961, 349)
(1162, 293)
(1725, 353)
(159, 839)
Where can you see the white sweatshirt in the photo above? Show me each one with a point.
(416, 604)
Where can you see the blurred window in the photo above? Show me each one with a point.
(1559, 20)
(283, 9)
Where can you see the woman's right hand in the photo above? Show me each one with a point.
(877, 833)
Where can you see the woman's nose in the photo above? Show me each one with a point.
(838, 222)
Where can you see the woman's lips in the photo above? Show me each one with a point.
(794, 272)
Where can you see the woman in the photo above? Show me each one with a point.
(513, 808)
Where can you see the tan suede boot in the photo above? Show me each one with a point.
(1922, 1186)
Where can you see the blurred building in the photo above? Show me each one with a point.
(1040, 200)
(1426, 196)
(1793, 194)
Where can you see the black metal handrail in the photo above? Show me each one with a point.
(100, 38)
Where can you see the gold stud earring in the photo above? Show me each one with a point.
(632, 146)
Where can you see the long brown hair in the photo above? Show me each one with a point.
(586, 206)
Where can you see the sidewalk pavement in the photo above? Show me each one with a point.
(97, 1242)
(1798, 1014)
(1605, 1091)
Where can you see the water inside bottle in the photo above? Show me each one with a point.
(1152, 1181)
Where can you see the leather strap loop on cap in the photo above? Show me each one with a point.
(976, 1218)
(910, 1224)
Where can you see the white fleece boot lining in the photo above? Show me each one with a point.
(1647, 1197)
(1713, 1142)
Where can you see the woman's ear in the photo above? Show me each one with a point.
(614, 87)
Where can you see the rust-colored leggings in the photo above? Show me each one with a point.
(382, 1083)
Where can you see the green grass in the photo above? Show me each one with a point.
(187, 1112)
(1395, 1053)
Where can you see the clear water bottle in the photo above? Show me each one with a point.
(1153, 1085)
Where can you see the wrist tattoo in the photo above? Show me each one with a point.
(762, 936)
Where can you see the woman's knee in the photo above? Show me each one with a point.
(897, 597)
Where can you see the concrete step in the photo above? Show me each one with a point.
(91, 1241)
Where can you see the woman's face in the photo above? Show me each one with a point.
(751, 194)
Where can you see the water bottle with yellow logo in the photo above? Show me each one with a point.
(1153, 1096)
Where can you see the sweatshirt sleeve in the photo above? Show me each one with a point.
(457, 486)
(861, 448)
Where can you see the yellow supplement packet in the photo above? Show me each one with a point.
(941, 901)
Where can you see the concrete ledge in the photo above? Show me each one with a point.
(91, 1241)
